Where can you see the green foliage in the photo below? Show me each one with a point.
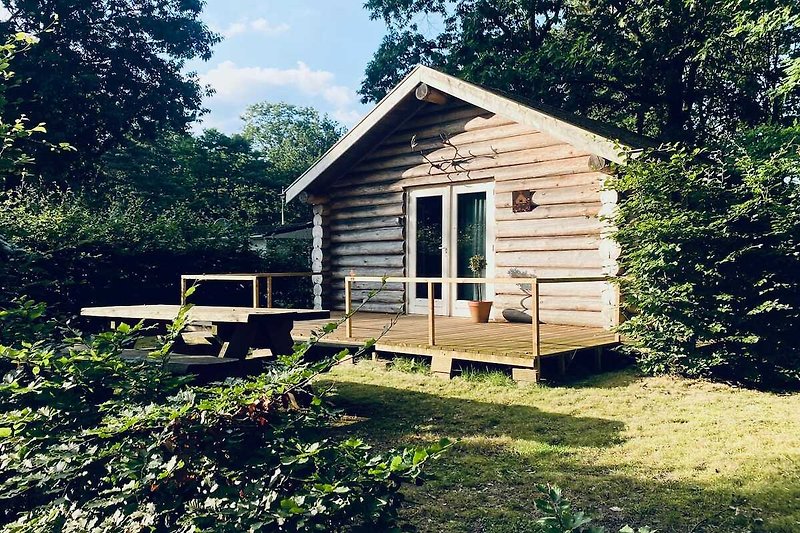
(410, 365)
(495, 378)
(292, 138)
(72, 251)
(14, 161)
(25, 319)
(677, 70)
(710, 259)
(104, 72)
(220, 176)
(559, 517)
(91, 442)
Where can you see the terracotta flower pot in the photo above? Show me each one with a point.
(479, 311)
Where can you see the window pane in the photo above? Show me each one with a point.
(471, 234)
(429, 243)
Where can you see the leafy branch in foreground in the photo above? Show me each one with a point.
(92, 442)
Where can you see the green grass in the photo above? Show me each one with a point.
(410, 365)
(675, 454)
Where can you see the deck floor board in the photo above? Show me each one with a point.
(457, 335)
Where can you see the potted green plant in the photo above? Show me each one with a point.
(479, 309)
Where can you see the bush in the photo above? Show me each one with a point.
(70, 251)
(710, 259)
(90, 442)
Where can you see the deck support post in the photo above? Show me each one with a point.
(348, 307)
(525, 375)
(442, 366)
(431, 315)
(598, 359)
(562, 365)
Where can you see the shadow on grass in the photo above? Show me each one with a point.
(487, 482)
(396, 413)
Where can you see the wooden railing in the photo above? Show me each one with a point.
(254, 278)
(534, 294)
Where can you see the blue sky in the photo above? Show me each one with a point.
(304, 52)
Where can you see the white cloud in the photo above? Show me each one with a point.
(259, 25)
(234, 84)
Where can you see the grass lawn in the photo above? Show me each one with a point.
(675, 454)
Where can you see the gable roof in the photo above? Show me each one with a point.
(595, 137)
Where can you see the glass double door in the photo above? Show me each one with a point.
(446, 227)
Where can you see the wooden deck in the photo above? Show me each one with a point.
(459, 338)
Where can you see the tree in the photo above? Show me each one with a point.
(710, 259)
(216, 175)
(14, 161)
(292, 138)
(107, 70)
(676, 70)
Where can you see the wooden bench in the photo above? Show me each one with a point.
(238, 328)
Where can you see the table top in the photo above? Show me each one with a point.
(244, 276)
(202, 313)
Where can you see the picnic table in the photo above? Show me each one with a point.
(238, 328)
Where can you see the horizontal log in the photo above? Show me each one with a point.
(550, 259)
(369, 286)
(561, 195)
(532, 155)
(366, 223)
(377, 235)
(590, 319)
(341, 273)
(426, 93)
(371, 183)
(368, 248)
(380, 261)
(368, 212)
(582, 289)
(429, 115)
(506, 186)
(346, 201)
(443, 153)
(476, 168)
(469, 122)
(550, 303)
(554, 272)
(550, 211)
(390, 297)
(524, 244)
(549, 227)
(486, 134)
(371, 307)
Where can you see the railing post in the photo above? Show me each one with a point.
(431, 315)
(183, 290)
(269, 291)
(255, 293)
(535, 319)
(348, 307)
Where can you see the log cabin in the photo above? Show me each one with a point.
(442, 170)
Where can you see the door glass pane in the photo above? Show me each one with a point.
(471, 235)
(429, 243)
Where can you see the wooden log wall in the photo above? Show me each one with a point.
(364, 222)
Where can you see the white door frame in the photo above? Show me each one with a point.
(420, 305)
(447, 305)
(460, 307)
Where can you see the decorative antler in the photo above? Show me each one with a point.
(449, 165)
